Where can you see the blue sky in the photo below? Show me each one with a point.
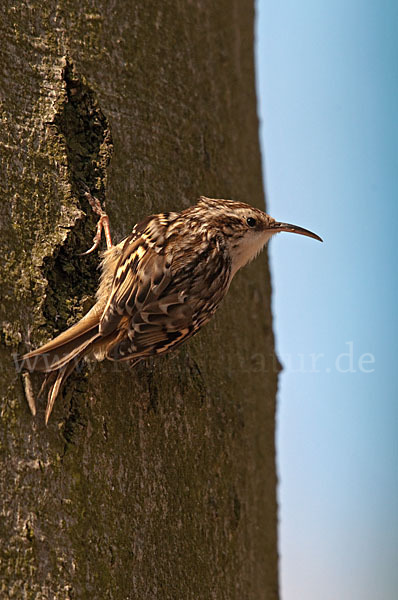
(327, 76)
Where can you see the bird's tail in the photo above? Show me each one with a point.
(59, 357)
(55, 381)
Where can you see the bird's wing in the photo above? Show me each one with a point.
(146, 313)
(141, 273)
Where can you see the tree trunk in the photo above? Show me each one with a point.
(158, 481)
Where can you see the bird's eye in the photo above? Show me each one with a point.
(251, 222)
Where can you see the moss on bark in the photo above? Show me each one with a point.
(157, 482)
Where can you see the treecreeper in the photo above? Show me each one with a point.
(158, 286)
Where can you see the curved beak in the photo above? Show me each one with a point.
(277, 227)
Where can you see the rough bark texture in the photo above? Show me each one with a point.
(157, 482)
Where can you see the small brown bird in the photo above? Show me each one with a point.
(159, 285)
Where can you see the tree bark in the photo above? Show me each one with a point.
(158, 481)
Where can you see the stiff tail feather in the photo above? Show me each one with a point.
(55, 381)
(59, 357)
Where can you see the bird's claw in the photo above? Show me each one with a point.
(103, 223)
(90, 250)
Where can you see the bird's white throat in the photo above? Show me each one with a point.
(248, 248)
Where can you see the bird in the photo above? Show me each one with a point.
(158, 286)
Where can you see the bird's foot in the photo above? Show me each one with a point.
(102, 225)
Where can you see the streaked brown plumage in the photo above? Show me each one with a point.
(159, 285)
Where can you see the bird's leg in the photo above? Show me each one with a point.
(103, 224)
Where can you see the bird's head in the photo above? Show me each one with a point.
(246, 229)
